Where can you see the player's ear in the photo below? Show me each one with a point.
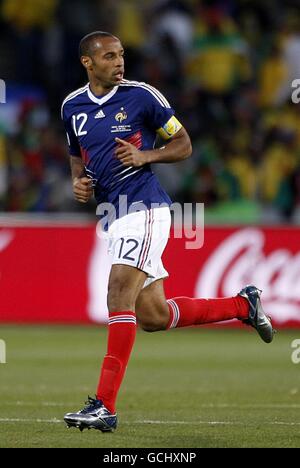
(86, 62)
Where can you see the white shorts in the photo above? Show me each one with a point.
(139, 240)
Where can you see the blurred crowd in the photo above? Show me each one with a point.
(226, 66)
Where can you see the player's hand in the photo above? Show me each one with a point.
(129, 155)
(82, 189)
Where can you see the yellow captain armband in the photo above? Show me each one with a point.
(170, 128)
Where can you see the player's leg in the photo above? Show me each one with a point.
(153, 309)
(125, 284)
(132, 240)
(155, 313)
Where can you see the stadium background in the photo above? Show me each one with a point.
(227, 68)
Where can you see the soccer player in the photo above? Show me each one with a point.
(111, 126)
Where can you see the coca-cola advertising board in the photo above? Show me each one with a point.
(60, 274)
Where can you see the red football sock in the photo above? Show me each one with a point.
(121, 337)
(185, 311)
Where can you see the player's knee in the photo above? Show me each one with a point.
(153, 325)
(152, 317)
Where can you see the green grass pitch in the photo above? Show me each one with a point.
(184, 388)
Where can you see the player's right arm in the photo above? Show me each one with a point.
(82, 185)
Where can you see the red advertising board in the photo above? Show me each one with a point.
(60, 274)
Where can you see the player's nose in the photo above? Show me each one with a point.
(120, 61)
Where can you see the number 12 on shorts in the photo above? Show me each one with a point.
(127, 248)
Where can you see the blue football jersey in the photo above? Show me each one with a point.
(132, 111)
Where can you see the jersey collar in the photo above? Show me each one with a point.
(104, 99)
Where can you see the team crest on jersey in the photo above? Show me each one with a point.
(121, 116)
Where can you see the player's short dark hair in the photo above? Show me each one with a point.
(87, 43)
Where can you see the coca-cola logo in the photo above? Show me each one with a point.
(241, 260)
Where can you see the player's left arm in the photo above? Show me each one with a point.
(178, 147)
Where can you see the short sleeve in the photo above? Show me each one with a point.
(74, 148)
(157, 109)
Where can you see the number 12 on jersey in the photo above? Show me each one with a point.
(79, 122)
